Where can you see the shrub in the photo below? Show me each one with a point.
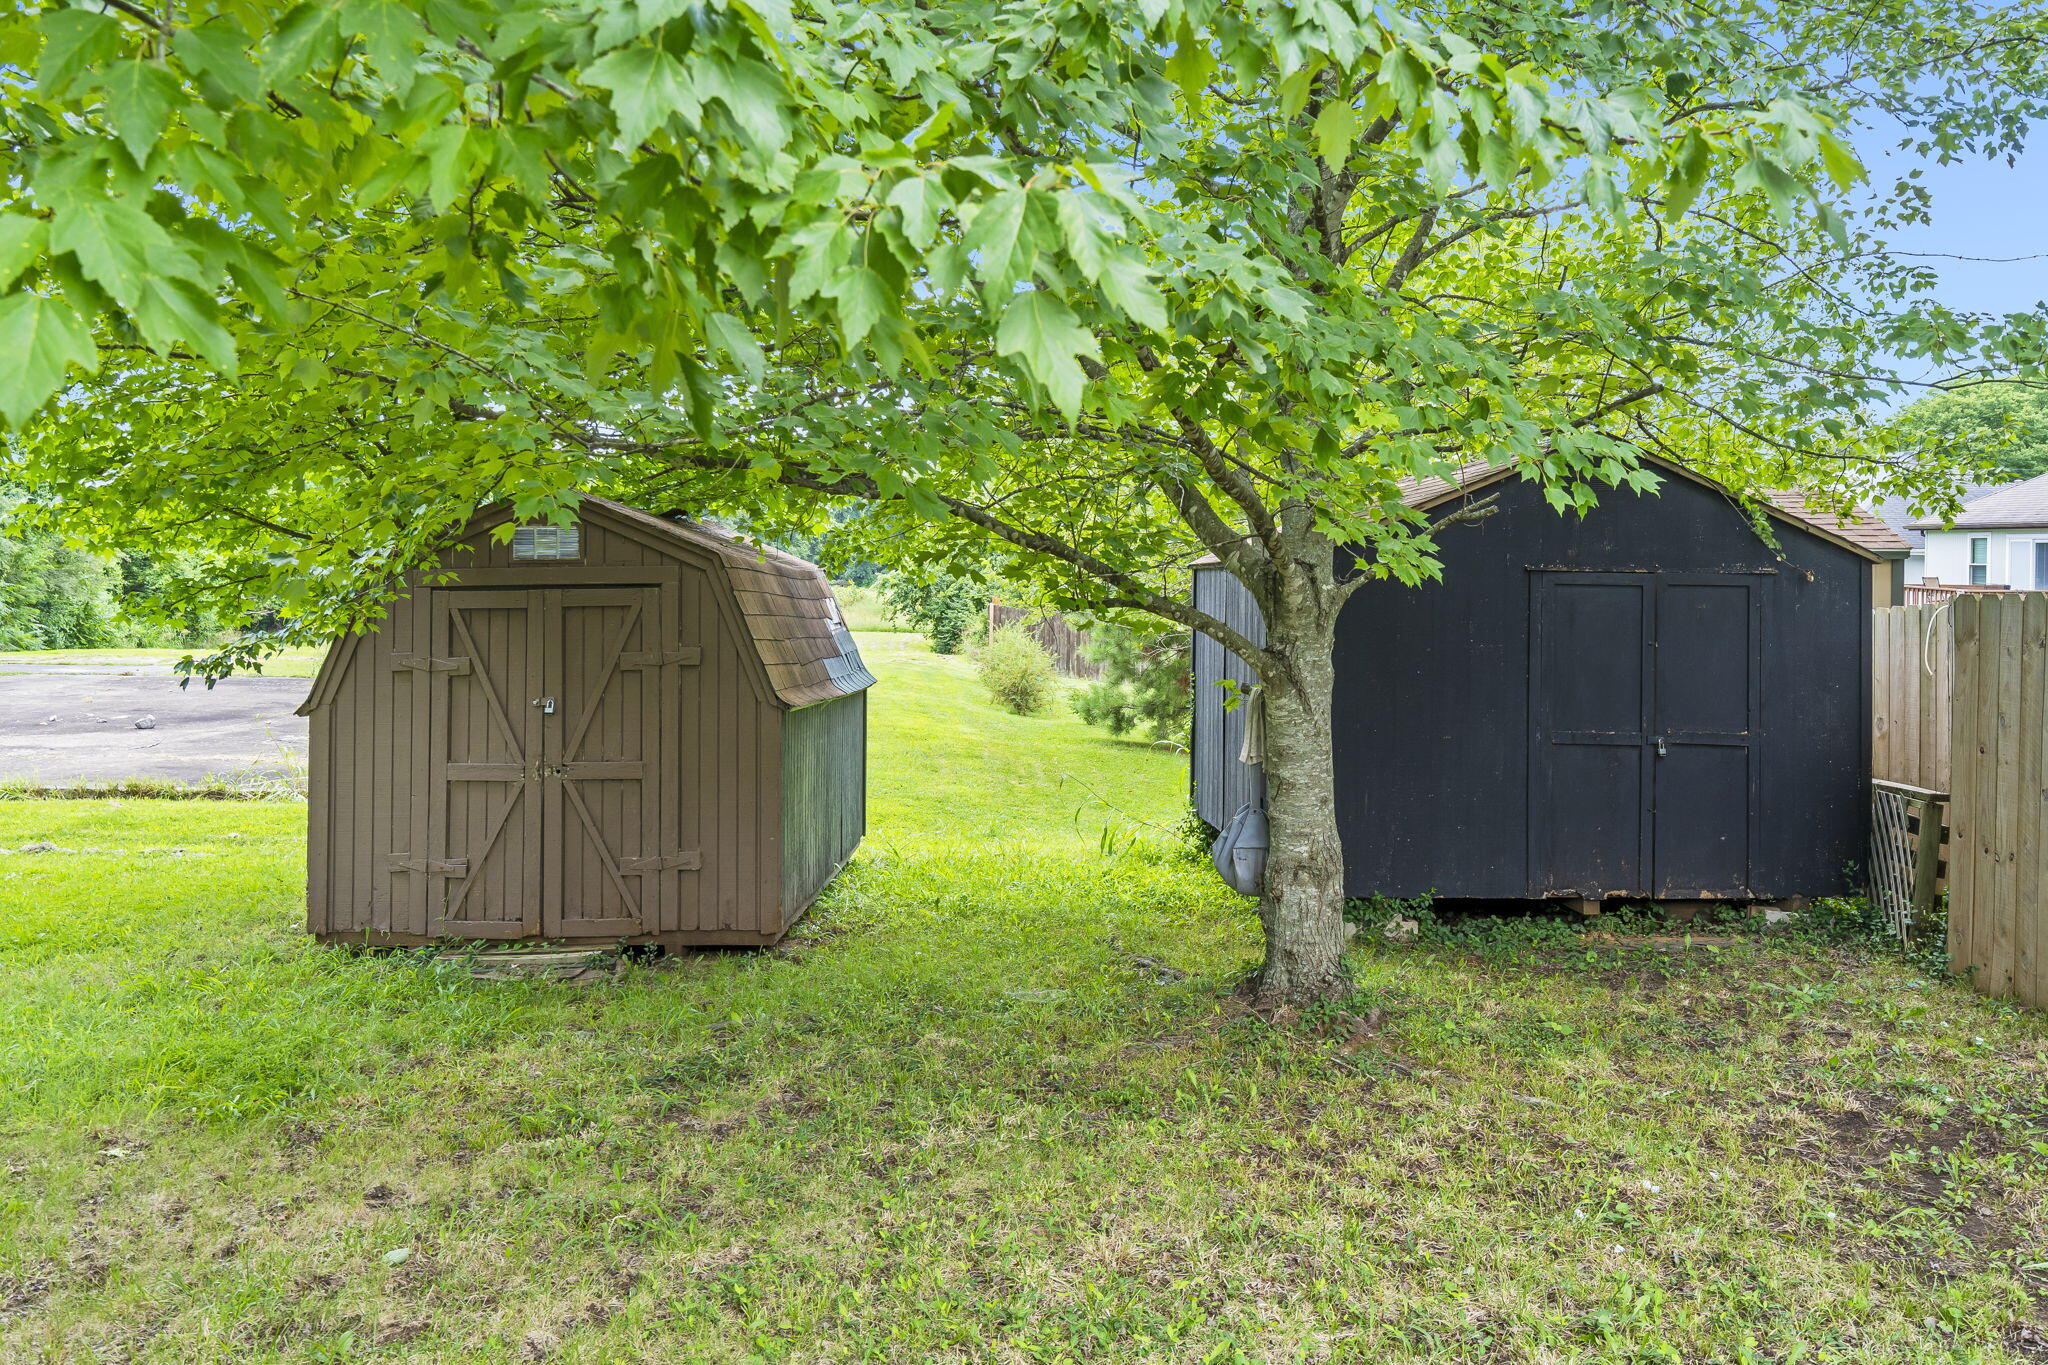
(944, 608)
(1016, 670)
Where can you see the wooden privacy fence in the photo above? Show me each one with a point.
(1912, 653)
(1998, 922)
(1960, 708)
(1067, 646)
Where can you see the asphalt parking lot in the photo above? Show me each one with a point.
(71, 725)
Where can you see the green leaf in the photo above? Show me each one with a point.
(996, 233)
(222, 52)
(1191, 64)
(1335, 126)
(1048, 340)
(1840, 160)
(295, 41)
(1688, 174)
(736, 339)
(1127, 284)
(119, 247)
(40, 339)
(647, 85)
(919, 201)
(74, 41)
(753, 95)
(176, 313)
(391, 35)
(864, 298)
(21, 241)
(139, 99)
(1087, 244)
(448, 165)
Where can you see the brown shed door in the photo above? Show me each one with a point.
(545, 734)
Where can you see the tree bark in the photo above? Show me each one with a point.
(1301, 905)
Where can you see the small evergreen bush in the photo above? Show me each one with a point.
(1145, 683)
(1016, 670)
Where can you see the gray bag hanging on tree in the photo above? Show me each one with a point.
(1240, 851)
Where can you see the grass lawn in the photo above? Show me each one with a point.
(993, 1102)
(290, 663)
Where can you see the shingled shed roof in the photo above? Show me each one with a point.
(1859, 525)
(1858, 530)
(786, 602)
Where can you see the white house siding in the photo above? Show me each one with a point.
(2011, 562)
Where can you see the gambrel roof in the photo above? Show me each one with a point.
(786, 602)
(791, 618)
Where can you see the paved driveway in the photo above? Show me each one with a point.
(65, 724)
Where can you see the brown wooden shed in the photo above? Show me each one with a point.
(634, 729)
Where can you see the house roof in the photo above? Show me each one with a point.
(1859, 525)
(1900, 514)
(791, 617)
(2008, 505)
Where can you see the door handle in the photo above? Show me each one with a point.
(546, 705)
(1661, 750)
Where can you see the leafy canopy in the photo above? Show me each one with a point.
(1999, 429)
(1086, 284)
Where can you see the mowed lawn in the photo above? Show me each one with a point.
(993, 1102)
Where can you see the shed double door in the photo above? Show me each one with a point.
(543, 779)
(1645, 706)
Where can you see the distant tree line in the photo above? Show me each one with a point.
(54, 595)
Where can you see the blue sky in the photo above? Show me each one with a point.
(1981, 209)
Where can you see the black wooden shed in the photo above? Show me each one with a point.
(631, 728)
(1649, 702)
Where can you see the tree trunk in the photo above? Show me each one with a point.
(1301, 905)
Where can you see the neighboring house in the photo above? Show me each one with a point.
(1998, 540)
(1900, 515)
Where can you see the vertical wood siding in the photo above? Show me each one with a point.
(1998, 916)
(1056, 635)
(824, 800)
(713, 733)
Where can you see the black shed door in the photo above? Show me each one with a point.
(1644, 698)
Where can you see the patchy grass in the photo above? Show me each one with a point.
(291, 663)
(993, 1102)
